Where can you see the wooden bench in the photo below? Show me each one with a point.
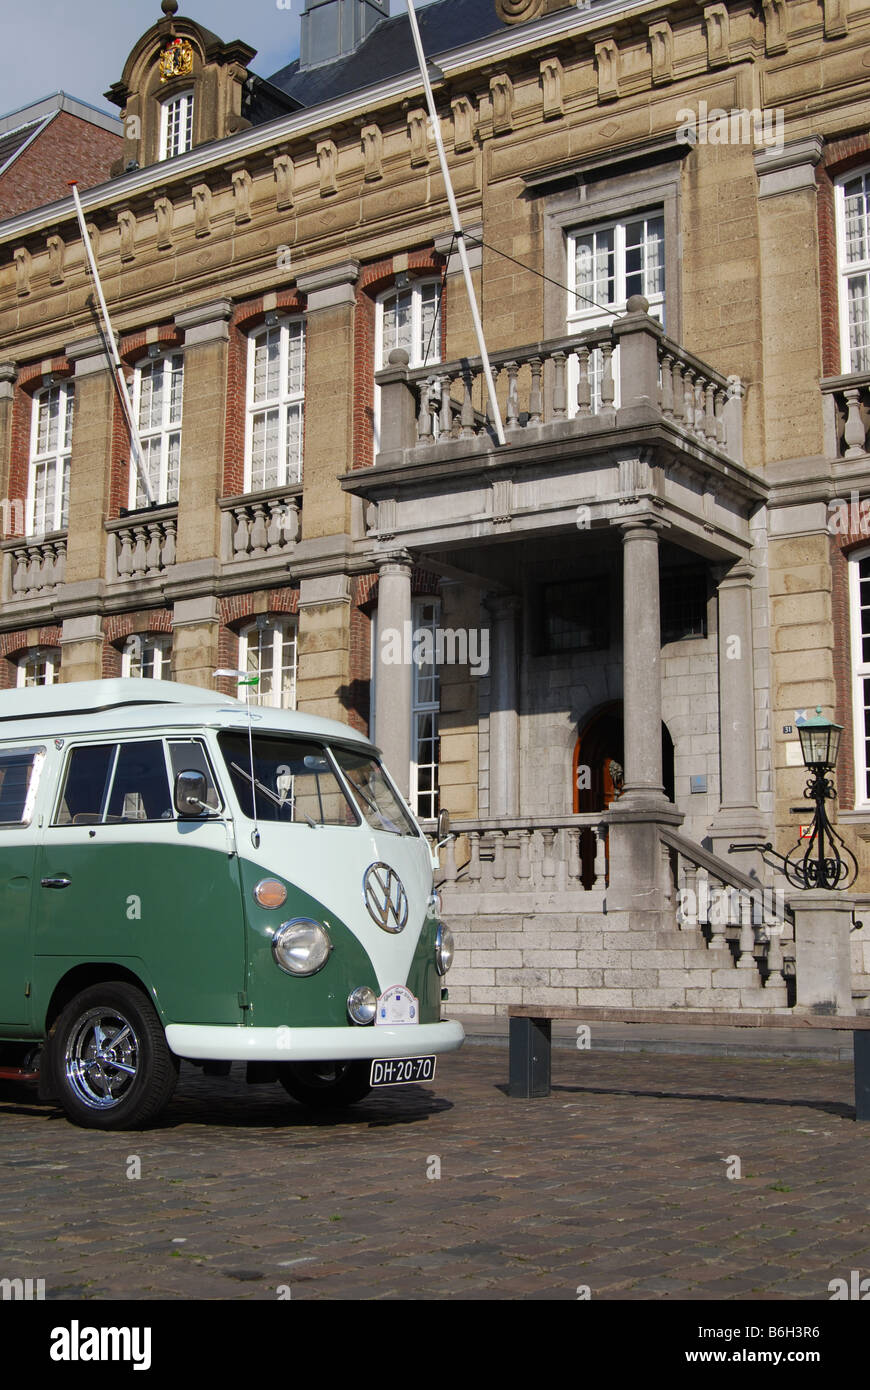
(531, 1038)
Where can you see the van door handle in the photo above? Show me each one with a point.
(61, 882)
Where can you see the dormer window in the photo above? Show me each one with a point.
(176, 125)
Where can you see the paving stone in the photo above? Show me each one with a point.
(616, 1181)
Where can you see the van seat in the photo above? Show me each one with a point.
(87, 818)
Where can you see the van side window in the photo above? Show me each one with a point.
(140, 787)
(87, 783)
(188, 755)
(19, 770)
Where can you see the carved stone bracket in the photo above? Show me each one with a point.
(327, 164)
(661, 45)
(23, 267)
(373, 152)
(285, 177)
(241, 195)
(463, 123)
(775, 26)
(127, 228)
(551, 83)
(56, 252)
(607, 63)
(163, 213)
(718, 35)
(418, 133)
(201, 195)
(502, 93)
(836, 18)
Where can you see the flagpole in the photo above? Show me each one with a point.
(113, 348)
(457, 224)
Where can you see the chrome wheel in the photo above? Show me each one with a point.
(101, 1059)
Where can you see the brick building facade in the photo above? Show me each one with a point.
(679, 326)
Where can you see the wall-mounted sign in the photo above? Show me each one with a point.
(176, 60)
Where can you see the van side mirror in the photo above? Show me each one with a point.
(443, 830)
(191, 790)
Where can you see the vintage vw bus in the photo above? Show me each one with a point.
(184, 877)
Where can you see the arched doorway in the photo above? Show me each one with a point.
(597, 769)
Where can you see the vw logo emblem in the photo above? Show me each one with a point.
(386, 899)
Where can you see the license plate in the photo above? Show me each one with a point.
(401, 1071)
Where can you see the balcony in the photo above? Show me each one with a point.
(599, 420)
(259, 532)
(142, 547)
(33, 569)
(846, 405)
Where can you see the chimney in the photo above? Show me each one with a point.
(332, 29)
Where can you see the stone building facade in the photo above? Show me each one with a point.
(668, 215)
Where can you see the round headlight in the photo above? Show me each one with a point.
(301, 947)
(269, 892)
(362, 1005)
(443, 949)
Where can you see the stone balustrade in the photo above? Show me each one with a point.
(730, 909)
(141, 546)
(260, 525)
(556, 853)
(846, 406)
(580, 383)
(33, 569)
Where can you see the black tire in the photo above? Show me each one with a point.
(110, 1063)
(325, 1085)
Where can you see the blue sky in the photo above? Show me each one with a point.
(79, 46)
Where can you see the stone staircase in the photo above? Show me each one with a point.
(530, 930)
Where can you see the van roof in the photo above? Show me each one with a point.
(129, 703)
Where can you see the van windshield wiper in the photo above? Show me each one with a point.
(267, 791)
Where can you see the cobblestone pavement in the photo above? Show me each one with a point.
(619, 1182)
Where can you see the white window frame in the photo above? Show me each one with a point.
(284, 401)
(55, 461)
(147, 648)
(584, 316)
(860, 675)
(286, 630)
(49, 656)
(416, 289)
(845, 272)
(183, 103)
(421, 708)
(159, 435)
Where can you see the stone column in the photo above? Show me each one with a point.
(738, 817)
(822, 923)
(641, 663)
(504, 708)
(392, 662)
(8, 374)
(196, 626)
(637, 880)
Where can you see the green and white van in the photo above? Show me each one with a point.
(182, 876)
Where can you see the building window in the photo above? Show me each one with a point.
(50, 446)
(425, 704)
(147, 657)
(39, 668)
(683, 598)
(267, 649)
(576, 616)
(607, 264)
(859, 604)
(176, 125)
(276, 390)
(157, 390)
(409, 318)
(853, 238)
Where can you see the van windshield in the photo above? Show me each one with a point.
(294, 780)
(378, 803)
